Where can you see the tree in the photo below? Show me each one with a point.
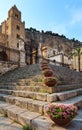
(77, 53)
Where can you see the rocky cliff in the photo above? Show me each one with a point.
(53, 40)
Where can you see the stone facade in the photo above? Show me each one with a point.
(3, 39)
(12, 30)
(13, 27)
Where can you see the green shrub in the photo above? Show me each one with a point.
(26, 127)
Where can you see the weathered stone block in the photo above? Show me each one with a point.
(21, 103)
(51, 97)
(41, 96)
(27, 117)
(41, 123)
(13, 113)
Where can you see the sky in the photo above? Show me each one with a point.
(59, 16)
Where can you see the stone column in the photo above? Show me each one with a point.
(22, 54)
(39, 53)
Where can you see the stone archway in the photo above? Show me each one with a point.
(3, 56)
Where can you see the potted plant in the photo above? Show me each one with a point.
(61, 114)
(50, 81)
(43, 62)
(45, 67)
(47, 73)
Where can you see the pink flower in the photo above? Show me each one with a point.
(61, 110)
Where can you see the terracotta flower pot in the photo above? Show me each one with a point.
(62, 114)
(43, 62)
(46, 67)
(62, 122)
(50, 81)
(47, 73)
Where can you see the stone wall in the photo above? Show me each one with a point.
(2, 39)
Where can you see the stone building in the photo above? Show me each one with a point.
(13, 27)
(11, 32)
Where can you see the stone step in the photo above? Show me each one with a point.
(8, 124)
(35, 105)
(59, 88)
(60, 96)
(25, 94)
(35, 120)
(76, 101)
(30, 104)
(42, 89)
(19, 115)
(24, 88)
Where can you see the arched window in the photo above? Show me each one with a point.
(17, 45)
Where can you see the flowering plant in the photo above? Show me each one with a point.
(61, 111)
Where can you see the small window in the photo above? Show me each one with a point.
(17, 45)
(17, 36)
(18, 27)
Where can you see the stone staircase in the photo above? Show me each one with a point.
(7, 66)
(66, 75)
(23, 96)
